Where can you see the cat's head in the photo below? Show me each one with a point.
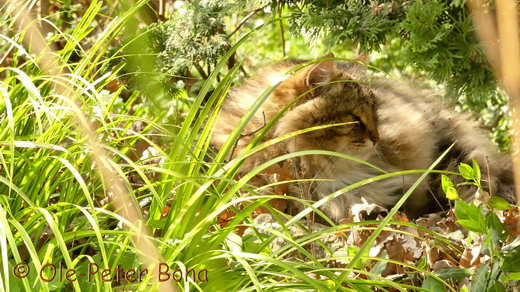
(335, 97)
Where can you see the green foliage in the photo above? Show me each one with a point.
(194, 38)
(512, 258)
(432, 284)
(440, 40)
(434, 39)
(470, 216)
(452, 274)
(498, 203)
(487, 227)
(54, 207)
(472, 175)
(448, 188)
(346, 21)
(167, 61)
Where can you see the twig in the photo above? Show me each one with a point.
(282, 36)
(489, 176)
(248, 134)
(243, 21)
(255, 131)
(201, 71)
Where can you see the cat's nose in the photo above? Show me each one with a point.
(370, 143)
(373, 136)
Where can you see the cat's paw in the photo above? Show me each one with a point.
(366, 211)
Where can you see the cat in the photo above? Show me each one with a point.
(390, 125)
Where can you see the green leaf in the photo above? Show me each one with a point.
(234, 242)
(479, 283)
(433, 284)
(494, 223)
(475, 213)
(466, 171)
(513, 276)
(380, 266)
(512, 261)
(158, 224)
(351, 252)
(497, 287)
(448, 188)
(470, 216)
(499, 203)
(452, 194)
(446, 182)
(453, 274)
(361, 288)
(254, 244)
(476, 170)
(461, 210)
(471, 225)
(421, 264)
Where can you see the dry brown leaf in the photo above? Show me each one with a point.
(400, 217)
(432, 255)
(465, 259)
(472, 257)
(512, 222)
(165, 212)
(443, 264)
(475, 255)
(224, 218)
(447, 223)
(113, 85)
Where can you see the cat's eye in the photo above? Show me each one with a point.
(358, 122)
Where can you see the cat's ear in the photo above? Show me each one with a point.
(359, 68)
(362, 58)
(320, 73)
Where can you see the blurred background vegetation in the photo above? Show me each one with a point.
(430, 42)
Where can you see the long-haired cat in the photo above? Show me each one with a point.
(392, 127)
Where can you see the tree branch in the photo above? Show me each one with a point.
(243, 21)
